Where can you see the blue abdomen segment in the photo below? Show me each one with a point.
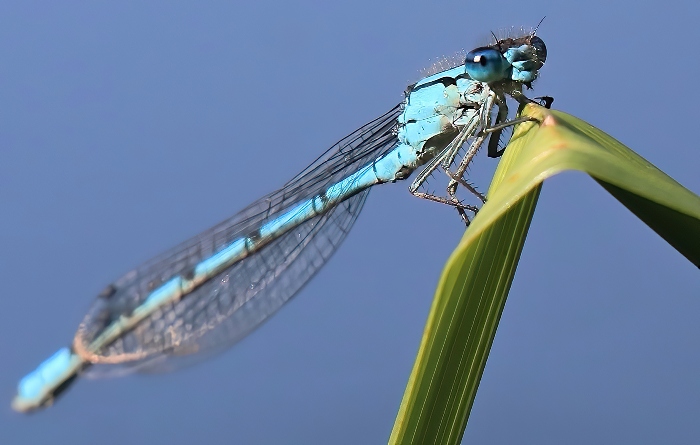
(39, 387)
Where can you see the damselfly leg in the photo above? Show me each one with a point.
(448, 156)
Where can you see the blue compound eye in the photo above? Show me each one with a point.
(486, 65)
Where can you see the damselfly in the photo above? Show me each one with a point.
(210, 291)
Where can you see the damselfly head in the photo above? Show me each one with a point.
(517, 59)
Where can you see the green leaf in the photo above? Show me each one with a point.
(474, 285)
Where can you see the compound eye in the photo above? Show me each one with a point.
(486, 65)
(540, 47)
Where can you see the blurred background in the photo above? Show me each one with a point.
(127, 127)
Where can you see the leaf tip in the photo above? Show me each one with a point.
(548, 121)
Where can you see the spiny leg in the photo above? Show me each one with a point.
(501, 123)
(433, 164)
(430, 168)
(457, 178)
(453, 201)
(495, 130)
(461, 207)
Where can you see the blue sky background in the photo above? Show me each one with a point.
(128, 127)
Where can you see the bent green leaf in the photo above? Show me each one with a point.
(474, 285)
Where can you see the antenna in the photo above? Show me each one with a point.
(496, 40)
(538, 26)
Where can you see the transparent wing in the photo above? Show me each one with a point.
(225, 308)
(232, 304)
